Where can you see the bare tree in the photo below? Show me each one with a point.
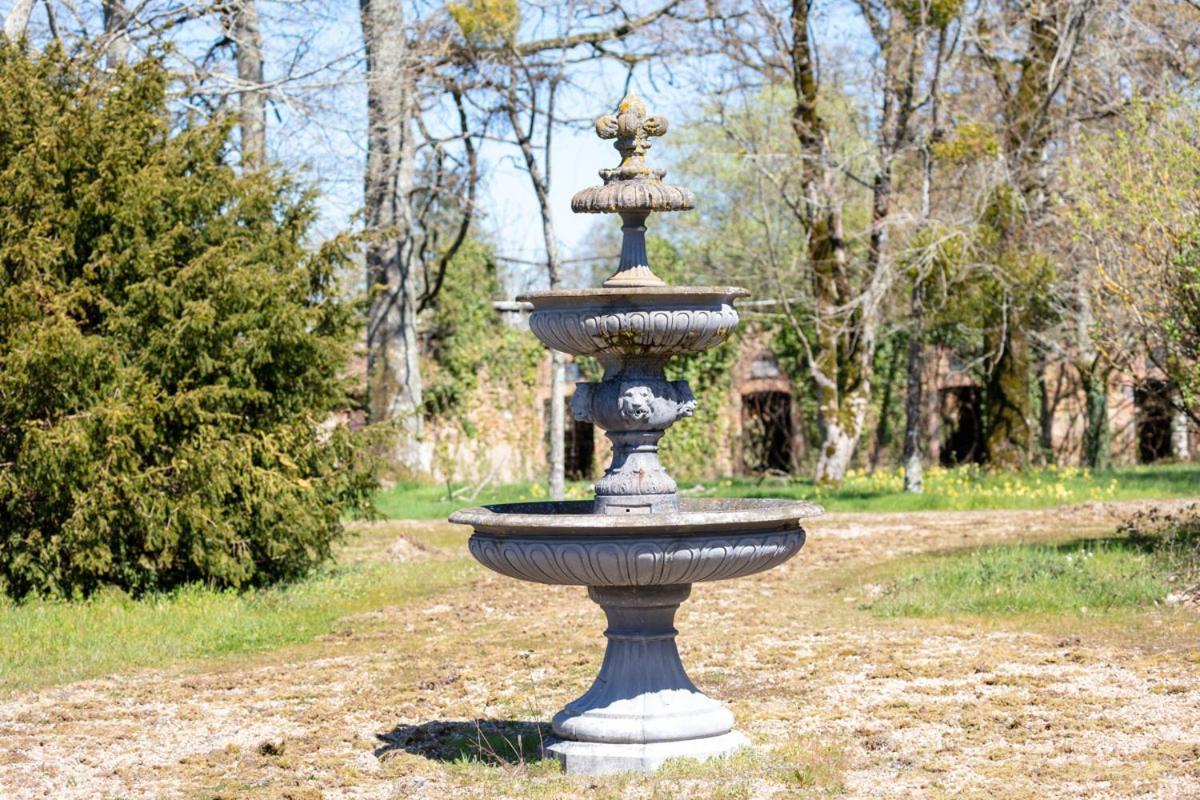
(539, 177)
(243, 28)
(116, 22)
(17, 19)
(393, 370)
(840, 312)
(1047, 36)
(902, 32)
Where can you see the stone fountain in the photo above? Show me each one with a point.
(637, 547)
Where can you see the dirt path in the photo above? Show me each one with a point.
(835, 699)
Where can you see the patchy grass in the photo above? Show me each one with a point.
(972, 488)
(1080, 577)
(1154, 554)
(44, 643)
(961, 489)
(489, 742)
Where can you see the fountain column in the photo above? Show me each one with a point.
(634, 403)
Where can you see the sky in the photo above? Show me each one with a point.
(316, 126)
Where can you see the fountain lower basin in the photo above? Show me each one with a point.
(642, 708)
(564, 543)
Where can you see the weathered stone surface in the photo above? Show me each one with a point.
(637, 404)
(696, 516)
(634, 561)
(626, 328)
(598, 758)
(633, 333)
(642, 708)
(634, 186)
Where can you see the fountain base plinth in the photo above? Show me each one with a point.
(602, 758)
(642, 708)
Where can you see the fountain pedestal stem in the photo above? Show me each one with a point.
(636, 481)
(642, 708)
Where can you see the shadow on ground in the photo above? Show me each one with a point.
(490, 741)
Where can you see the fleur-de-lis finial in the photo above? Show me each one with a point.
(632, 128)
(633, 189)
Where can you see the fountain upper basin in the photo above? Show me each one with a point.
(706, 540)
(633, 323)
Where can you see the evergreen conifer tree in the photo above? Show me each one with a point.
(169, 347)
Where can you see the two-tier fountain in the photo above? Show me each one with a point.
(637, 547)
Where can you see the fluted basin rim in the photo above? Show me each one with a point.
(649, 294)
(699, 516)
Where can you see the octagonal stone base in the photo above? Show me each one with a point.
(601, 758)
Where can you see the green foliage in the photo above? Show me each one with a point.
(168, 348)
(970, 141)
(958, 489)
(887, 393)
(486, 23)
(743, 159)
(1135, 214)
(467, 339)
(933, 13)
(1181, 329)
(687, 448)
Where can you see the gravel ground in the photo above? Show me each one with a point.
(836, 700)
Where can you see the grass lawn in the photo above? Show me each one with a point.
(962, 489)
(44, 643)
(1079, 577)
(1153, 555)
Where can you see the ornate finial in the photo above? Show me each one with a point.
(633, 189)
(632, 129)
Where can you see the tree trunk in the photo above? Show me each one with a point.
(1053, 30)
(883, 427)
(1045, 414)
(252, 115)
(1097, 440)
(1180, 446)
(116, 20)
(842, 371)
(914, 386)
(558, 401)
(540, 178)
(840, 422)
(843, 357)
(1008, 407)
(393, 366)
(841, 434)
(18, 19)
(914, 397)
(558, 430)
